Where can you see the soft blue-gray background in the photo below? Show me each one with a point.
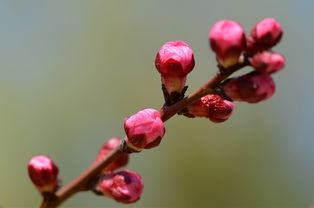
(70, 71)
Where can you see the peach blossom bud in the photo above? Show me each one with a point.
(227, 40)
(213, 107)
(252, 88)
(174, 61)
(123, 186)
(231, 89)
(144, 129)
(43, 173)
(121, 161)
(265, 34)
(268, 62)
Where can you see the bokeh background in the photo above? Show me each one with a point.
(70, 71)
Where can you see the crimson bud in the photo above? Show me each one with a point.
(144, 129)
(174, 61)
(268, 62)
(123, 186)
(212, 107)
(43, 173)
(227, 40)
(252, 87)
(265, 34)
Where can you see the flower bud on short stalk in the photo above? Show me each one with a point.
(144, 129)
(227, 40)
(212, 107)
(43, 173)
(265, 34)
(174, 61)
(123, 186)
(121, 161)
(252, 88)
(268, 62)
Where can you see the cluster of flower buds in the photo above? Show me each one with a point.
(258, 85)
(123, 186)
(232, 47)
(43, 173)
(174, 61)
(144, 130)
(227, 39)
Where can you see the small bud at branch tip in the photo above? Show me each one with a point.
(43, 173)
(227, 40)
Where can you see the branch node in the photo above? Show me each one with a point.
(126, 149)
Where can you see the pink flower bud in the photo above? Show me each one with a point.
(252, 88)
(268, 62)
(123, 186)
(213, 107)
(265, 34)
(227, 40)
(121, 161)
(144, 129)
(43, 173)
(174, 61)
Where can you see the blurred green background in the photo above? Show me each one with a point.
(70, 71)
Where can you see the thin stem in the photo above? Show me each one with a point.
(81, 182)
(44, 204)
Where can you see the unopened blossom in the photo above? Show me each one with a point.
(144, 129)
(123, 186)
(213, 107)
(252, 88)
(174, 61)
(43, 173)
(227, 40)
(268, 62)
(265, 34)
(107, 147)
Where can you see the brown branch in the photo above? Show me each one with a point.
(81, 182)
(169, 111)
(44, 203)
